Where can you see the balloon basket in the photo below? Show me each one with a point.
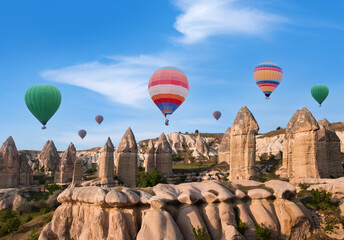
(44, 127)
(267, 98)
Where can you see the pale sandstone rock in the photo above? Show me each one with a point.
(300, 147)
(49, 157)
(189, 217)
(116, 198)
(106, 165)
(127, 159)
(10, 198)
(264, 213)
(329, 151)
(243, 145)
(294, 224)
(163, 156)
(224, 148)
(159, 225)
(211, 218)
(77, 173)
(64, 173)
(14, 168)
(245, 217)
(150, 157)
(240, 194)
(230, 233)
(281, 189)
(156, 202)
(259, 193)
(201, 146)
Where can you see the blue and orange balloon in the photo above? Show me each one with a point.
(168, 88)
(267, 76)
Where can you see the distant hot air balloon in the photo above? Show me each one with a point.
(99, 119)
(168, 88)
(43, 102)
(217, 115)
(320, 93)
(82, 133)
(267, 76)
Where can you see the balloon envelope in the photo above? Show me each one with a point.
(320, 93)
(82, 133)
(168, 88)
(43, 101)
(267, 76)
(99, 119)
(217, 115)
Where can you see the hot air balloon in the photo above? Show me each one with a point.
(217, 115)
(82, 133)
(43, 102)
(320, 93)
(267, 76)
(168, 88)
(99, 119)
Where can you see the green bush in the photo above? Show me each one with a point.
(91, 170)
(52, 188)
(241, 227)
(322, 201)
(34, 235)
(150, 179)
(9, 222)
(43, 210)
(262, 232)
(304, 186)
(48, 218)
(29, 218)
(200, 234)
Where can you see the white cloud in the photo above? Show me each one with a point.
(204, 18)
(124, 81)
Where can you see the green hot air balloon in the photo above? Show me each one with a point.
(319, 93)
(43, 102)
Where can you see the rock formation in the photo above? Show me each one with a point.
(64, 172)
(163, 156)
(310, 151)
(150, 157)
(243, 145)
(127, 159)
(106, 164)
(329, 155)
(49, 158)
(121, 213)
(77, 173)
(14, 169)
(201, 146)
(224, 149)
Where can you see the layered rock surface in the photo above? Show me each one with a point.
(64, 172)
(150, 157)
(163, 156)
(243, 145)
(224, 148)
(49, 158)
(127, 159)
(122, 213)
(14, 168)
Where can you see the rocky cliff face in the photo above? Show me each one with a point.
(150, 157)
(122, 213)
(49, 158)
(243, 145)
(14, 168)
(64, 172)
(163, 156)
(202, 147)
(224, 149)
(300, 146)
(127, 159)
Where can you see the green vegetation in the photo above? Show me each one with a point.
(29, 218)
(91, 170)
(34, 235)
(52, 188)
(47, 218)
(262, 232)
(9, 221)
(266, 157)
(271, 164)
(150, 179)
(241, 227)
(200, 234)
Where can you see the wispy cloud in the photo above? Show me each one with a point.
(124, 80)
(203, 18)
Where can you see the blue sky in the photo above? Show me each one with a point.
(101, 54)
